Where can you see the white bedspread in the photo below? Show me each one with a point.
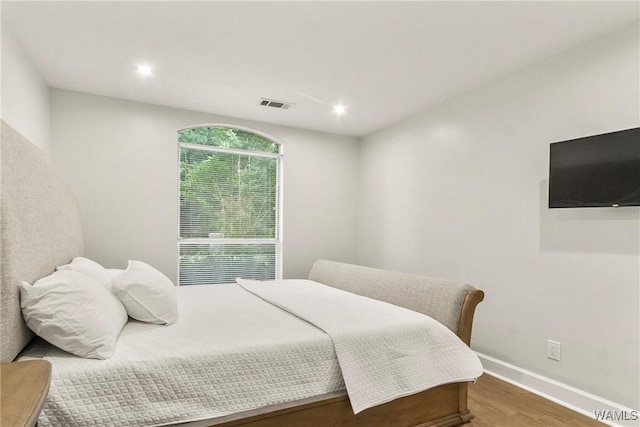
(228, 352)
(385, 351)
(231, 351)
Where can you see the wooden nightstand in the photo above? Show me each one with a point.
(24, 387)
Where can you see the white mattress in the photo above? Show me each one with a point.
(214, 361)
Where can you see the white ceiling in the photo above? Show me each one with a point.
(383, 60)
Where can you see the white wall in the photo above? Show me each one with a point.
(25, 94)
(460, 191)
(120, 159)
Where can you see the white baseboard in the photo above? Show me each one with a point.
(562, 394)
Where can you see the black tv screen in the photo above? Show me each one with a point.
(596, 171)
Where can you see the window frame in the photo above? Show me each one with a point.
(277, 240)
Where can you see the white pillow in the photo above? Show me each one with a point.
(91, 269)
(113, 273)
(147, 294)
(74, 312)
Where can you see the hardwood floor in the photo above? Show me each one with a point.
(496, 403)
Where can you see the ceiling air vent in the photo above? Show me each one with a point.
(275, 104)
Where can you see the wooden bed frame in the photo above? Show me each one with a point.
(41, 228)
(442, 406)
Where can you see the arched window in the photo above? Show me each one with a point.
(229, 207)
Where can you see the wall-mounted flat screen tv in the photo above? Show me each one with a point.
(596, 171)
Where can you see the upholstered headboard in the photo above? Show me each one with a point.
(40, 228)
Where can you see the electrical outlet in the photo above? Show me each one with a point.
(553, 350)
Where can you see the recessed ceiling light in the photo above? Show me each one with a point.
(144, 70)
(339, 109)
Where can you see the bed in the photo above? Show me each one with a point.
(42, 229)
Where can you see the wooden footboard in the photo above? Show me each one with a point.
(465, 322)
(436, 407)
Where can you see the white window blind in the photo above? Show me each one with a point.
(229, 207)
